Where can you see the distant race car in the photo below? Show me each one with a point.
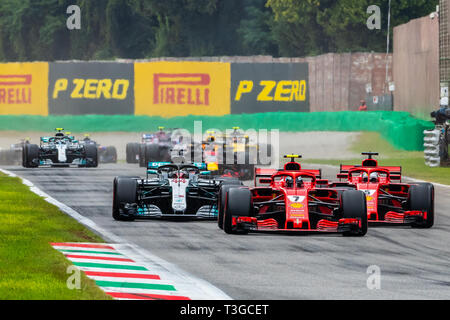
(388, 199)
(230, 155)
(253, 151)
(106, 154)
(170, 190)
(13, 155)
(291, 200)
(59, 150)
(154, 147)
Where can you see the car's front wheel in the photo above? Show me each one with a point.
(421, 198)
(238, 204)
(354, 206)
(226, 185)
(124, 191)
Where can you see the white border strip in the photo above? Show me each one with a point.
(185, 283)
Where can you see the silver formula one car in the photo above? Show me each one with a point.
(169, 190)
(60, 150)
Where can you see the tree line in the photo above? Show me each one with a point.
(35, 30)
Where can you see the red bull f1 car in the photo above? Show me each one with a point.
(291, 200)
(230, 155)
(389, 201)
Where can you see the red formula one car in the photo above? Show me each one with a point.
(388, 201)
(291, 200)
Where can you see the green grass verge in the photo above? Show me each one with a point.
(30, 269)
(412, 162)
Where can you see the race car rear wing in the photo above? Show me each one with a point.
(395, 173)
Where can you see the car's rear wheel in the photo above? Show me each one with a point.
(124, 191)
(111, 152)
(238, 204)
(164, 154)
(142, 160)
(151, 153)
(354, 206)
(24, 156)
(132, 152)
(421, 198)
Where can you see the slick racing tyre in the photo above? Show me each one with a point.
(30, 156)
(151, 153)
(111, 154)
(132, 152)
(354, 206)
(421, 198)
(226, 185)
(91, 156)
(124, 191)
(238, 204)
(142, 159)
(164, 153)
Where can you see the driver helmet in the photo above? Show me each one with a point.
(364, 177)
(299, 182)
(182, 175)
(289, 182)
(161, 134)
(374, 177)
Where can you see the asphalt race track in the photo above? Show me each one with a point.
(414, 263)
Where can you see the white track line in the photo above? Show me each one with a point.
(186, 284)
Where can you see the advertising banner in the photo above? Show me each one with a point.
(269, 87)
(23, 88)
(77, 88)
(171, 89)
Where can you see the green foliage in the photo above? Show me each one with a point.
(255, 29)
(36, 29)
(319, 26)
